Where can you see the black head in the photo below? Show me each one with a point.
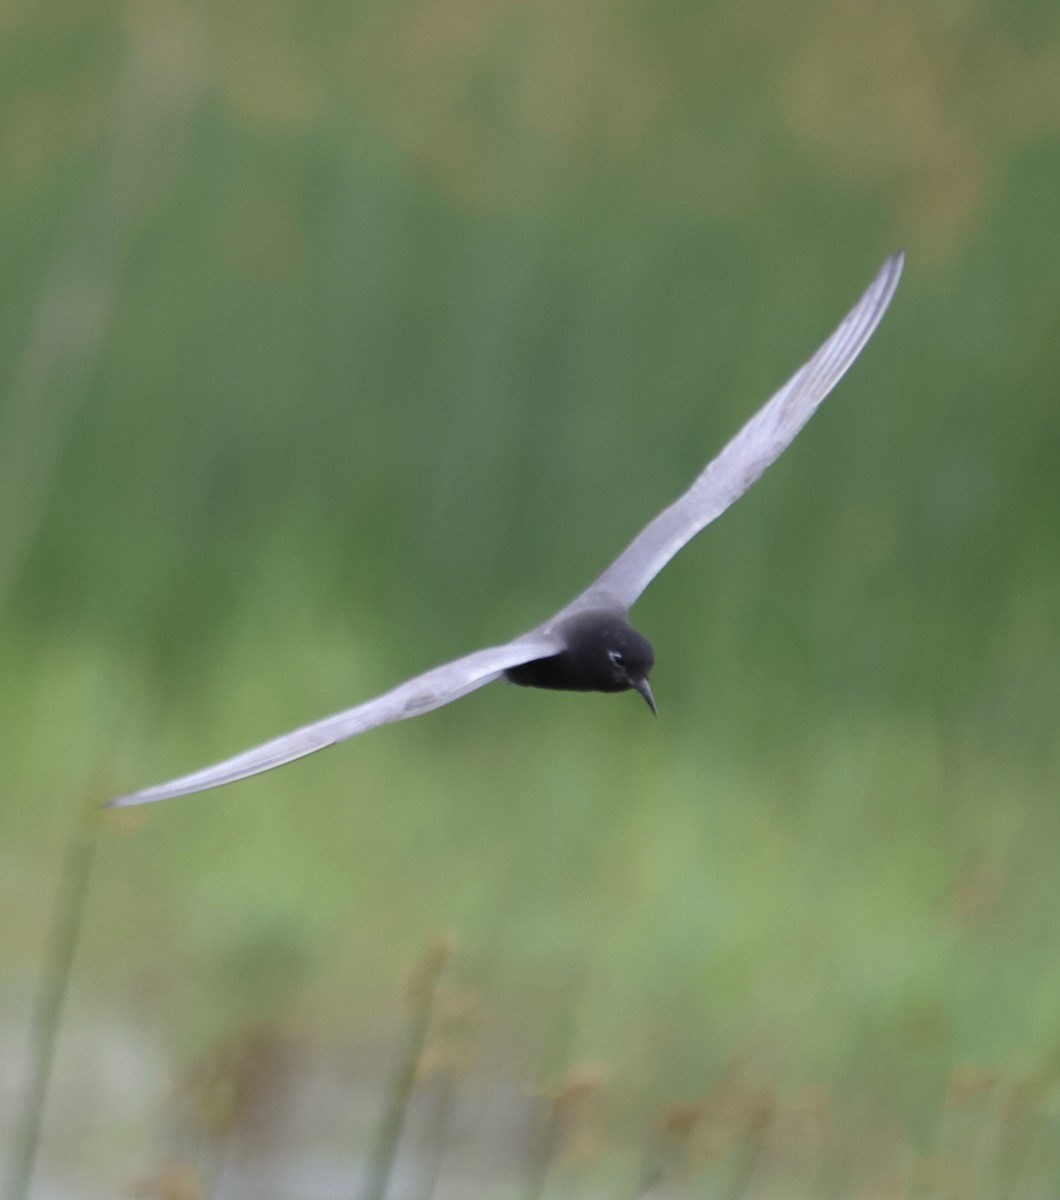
(606, 655)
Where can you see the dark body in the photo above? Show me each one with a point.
(603, 654)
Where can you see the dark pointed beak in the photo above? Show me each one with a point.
(644, 687)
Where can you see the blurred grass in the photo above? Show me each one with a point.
(422, 310)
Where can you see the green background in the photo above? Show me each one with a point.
(339, 340)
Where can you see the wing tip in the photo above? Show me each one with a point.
(864, 318)
(891, 273)
(129, 801)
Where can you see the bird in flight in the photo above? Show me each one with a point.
(589, 646)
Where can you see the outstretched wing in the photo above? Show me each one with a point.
(757, 446)
(430, 690)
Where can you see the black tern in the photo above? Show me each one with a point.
(588, 646)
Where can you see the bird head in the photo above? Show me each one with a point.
(629, 660)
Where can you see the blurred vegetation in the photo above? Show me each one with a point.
(339, 339)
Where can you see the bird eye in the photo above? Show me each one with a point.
(617, 657)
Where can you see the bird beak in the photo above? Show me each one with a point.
(644, 687)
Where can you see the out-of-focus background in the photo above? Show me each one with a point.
(340, 339)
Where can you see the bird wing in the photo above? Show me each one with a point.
(757, 446)
(433, 689)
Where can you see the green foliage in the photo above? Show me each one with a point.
(409, 315)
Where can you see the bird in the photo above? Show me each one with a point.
(588, 646)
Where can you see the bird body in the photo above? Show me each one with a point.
(589, 645)
(601, 653)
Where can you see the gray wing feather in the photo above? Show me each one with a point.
(431, 690)
(759, 444)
